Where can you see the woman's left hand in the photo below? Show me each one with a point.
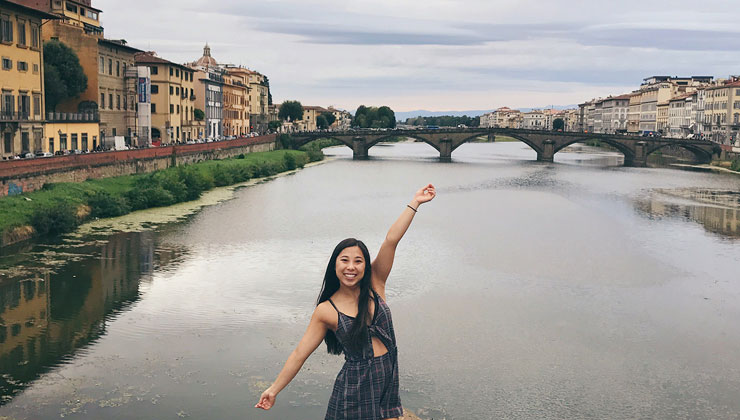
(425, 194)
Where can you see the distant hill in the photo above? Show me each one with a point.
(401, 116)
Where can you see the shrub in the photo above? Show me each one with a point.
(194, 181)
(54, 219)
(315, 155)
(735, 166)
(289, 161)
(221, 176)
(104, 204)
(286, 141)
(171, 182)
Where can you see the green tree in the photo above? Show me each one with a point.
(63, 75)
(372, 117)
(321, 122)
(274, 125)
(292, 110)
(330, 118)
(558, 124)
(199, 114)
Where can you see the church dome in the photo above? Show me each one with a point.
(207, 60)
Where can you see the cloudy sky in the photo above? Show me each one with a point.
(440, 55)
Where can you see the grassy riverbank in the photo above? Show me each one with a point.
(60, 208)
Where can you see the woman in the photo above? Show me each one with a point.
(351, 316)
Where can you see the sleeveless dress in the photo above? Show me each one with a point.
(367, 387)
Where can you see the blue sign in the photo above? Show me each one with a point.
(14, 189)
(144, 90)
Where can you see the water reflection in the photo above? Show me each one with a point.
(718, 211)
(49, 318)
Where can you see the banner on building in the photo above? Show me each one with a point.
(144, 90)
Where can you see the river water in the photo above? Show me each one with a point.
(579, 289)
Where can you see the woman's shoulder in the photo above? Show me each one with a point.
(326, 313)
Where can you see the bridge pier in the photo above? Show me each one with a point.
(640, 160)
(491, 137)
(548, 151)
(359, 150)
(445, 150)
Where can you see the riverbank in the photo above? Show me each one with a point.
(61, 208)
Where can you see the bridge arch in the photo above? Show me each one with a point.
(526, 141)
(629, 153)
(302, 141)
(702, 154)
(417, 137)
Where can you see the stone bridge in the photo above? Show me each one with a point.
(545, 143)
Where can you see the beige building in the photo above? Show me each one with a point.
(258, 102)
(172, 100)
(682, 116)
(74, 132)
(342, 119)
(21, 80)
(236, 102)
(722, 112)
(535, 120)
(633, 113)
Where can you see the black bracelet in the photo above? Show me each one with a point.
(409, 206)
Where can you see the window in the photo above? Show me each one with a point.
(177, 90)
(155, 89)
(177, 72)
(118, 101)
(118, 69)
(154, 108)
(125, 102)
(21, 32)
(71, 7)
(22, 66)
(35, 68)
(114, 131)
(8, 142)
(102, 65)
(171, 71)
(51, 144)
(82, 11)
(92, 15)
(102, 100)
(25, 146)
(74, 141)
(110, 66)
(154, 69)
(178, 109)
(172, 90)
(63, 142)
(37, 104)
(172, 109)
(6, 29)
(7, 64)
(110, 101)
(24, 105)
(84, 141)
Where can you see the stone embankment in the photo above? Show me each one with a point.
(25, 175)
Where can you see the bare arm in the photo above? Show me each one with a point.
(311, 339)
(384, 261)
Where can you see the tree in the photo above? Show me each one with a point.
(274, 125)
(373, 117)
(558, 124)
(199, 114)
(330, 118)
(321, 122)
(291, 110)
(63, 75)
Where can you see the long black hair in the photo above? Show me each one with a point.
(331, 284)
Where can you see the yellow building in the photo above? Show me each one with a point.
(258, 102)
(21, 80)
(74, 132)
(661, 121)
(236, 102)
(173, 100)
(722, 112)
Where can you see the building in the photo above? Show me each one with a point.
(659, 90)
(342, 119)
(172, 99)
(503, 117)
(633, 113)
(661, 119)
(614, 111)
(22, 109)
(259, 94)
(722, 112)
(117, 90)
(72, 132)
(534, 120)
(236, 102)
(681, 116)
(308, 122)
(209, 91)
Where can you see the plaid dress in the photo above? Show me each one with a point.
(367, 387)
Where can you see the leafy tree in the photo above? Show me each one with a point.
(372, 117)
(199, 114)
(63, 75)
(274, 125)
(330, 118)
(321, 122)
(292, 110)
(558, 124)
(444, 121)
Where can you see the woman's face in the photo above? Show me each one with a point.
(350, 266)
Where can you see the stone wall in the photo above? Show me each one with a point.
(18, 176)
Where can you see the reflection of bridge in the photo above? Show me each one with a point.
(545, 143)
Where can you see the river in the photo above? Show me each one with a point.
(579, 289)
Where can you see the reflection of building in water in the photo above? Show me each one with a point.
(43, 321)
(724, 221)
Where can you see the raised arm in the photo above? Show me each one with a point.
(311, 339)
(383, 263)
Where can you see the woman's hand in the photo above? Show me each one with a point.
(267, 400)
(425, 194)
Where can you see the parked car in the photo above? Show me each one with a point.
(44, 154)
(28, 155)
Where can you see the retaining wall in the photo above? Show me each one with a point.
(18, 176)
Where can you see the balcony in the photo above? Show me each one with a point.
(15, 116)
(91, 117)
